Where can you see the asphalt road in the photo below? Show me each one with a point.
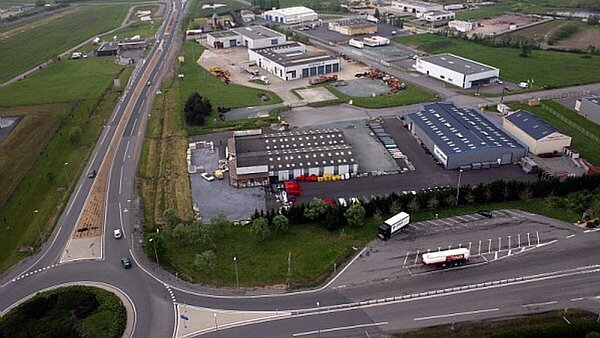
(562, 272)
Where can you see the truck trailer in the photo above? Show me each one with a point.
(392, 225)
(445, 258)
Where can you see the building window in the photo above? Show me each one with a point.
(313, 71)
(442, 77)
(321, 70)
(305, 72)
(274, 42)
(327, 69)
(336, 67)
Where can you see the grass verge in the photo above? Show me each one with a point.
(24, 51)
(589, 148)
(48, 157)
(541, 66)
(548, 325)
(74, 311)
(411, 95)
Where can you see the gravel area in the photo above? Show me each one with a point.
(364, 87)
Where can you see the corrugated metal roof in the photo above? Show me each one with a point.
(531, 124)
(456, 130)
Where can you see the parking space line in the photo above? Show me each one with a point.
(445, 222)
(405, 259)
(416, 257)
(464, 220)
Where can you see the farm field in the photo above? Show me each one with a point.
(207, 85)
(541, 66)
(60, 128)
(197, 11)
(541, 32)
(583, 39)
(523, 7)
(23, 51)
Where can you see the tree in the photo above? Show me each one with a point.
(593, 20)
(433, 203)
(395, 207)
(170, 219)
(182, 232)
(205, 261)
(399, 22)
(413, 205)
(40, 3)
(260, 229)
(281, 224)
(377, 14)
(74, 135)
(525, 49)
(355, 214)
(315, 209)
(196, 108)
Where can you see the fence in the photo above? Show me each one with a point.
(571, 123)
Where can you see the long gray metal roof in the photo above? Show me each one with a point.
(457, 130)
(531, 124)
(457, 63)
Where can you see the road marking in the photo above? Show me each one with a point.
(570, 236)
(445, 222)
(405, 259)
(126, 149)
(74, 199)
(133, 128)
(121, 220)
(121, 181)
(341, 328)
(417, 257)
(577, 299)
(463, 219)
(474, 312)
(93, 160)
(540, 304)
(105, 134)
(591, 230)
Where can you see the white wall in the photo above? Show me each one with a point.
(439, 72)
(483, 75)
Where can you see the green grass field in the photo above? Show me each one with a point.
(589, 149)
(74, 311)
(412, 94)
(197, 11)
(546, 68)
(24, 51)
(523, 7)
(41, 147)
(220, 94)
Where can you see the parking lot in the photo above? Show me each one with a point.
(324, 34)
(510, 233)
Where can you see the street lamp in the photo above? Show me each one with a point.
(35, 220)
(155, 252)
(237, 278)
(65, 172)
(458, 186)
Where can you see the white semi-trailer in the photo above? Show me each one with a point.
(392, 225)
(444, 258)
(356, 43)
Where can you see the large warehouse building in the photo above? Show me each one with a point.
(463, 138)
(589, 107)
(352, 27)
(457, 70)
(251, 37)
(255, 157)
(417, 8)
(291, 15)
(293, 61)
(538, 135)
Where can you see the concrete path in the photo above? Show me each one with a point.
(78, 249)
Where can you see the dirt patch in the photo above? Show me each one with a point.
(583, 39)
(502, 23)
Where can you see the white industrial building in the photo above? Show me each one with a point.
(589, 107)
(539, 136)
(435, 16)
(291, 15)
(417, 8)
(461, 26)
(293, 61)
(251, 37)
(457, 70)
(255, 157)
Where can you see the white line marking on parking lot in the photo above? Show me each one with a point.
(463, 219)
(540, 304)
(456, 314)
(417, 257)
(445, 222)
(489, 245)
(479, 250)
(405, 259)
(537, 233)
(528, 240)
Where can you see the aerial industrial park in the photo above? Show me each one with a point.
(297, 168)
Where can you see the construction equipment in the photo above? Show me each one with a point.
(323, 79)
(221, 74)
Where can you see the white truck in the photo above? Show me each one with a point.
(391, 225)
(356, 43)
(375, 41)
(452, 257)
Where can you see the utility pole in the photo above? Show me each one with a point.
(37, 224)
(458, 186)
(237, 278)
(155, 252)
(289, 269)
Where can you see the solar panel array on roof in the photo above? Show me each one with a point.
(455, 130)
(531, 124)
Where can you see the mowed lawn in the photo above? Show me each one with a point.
(32, 47)
(67, 80)
(546, 68)
(412, 94)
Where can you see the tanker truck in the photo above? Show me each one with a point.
(445, 258)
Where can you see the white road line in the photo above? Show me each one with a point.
(105, 134)
(417, 257)
(540, 304)
(126, 149)
(341, 328)
(93, 160)
(405, 259)
(133, 128)
(121, 181)
(74, 199)
(576, 299)
(591, 230)
(456, 314)
(121, 220)
(570, 236)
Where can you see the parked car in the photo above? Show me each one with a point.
(485, 213)
(117, 233)
(523, 84)
(126, 262)
(207, 177)
(92, 174)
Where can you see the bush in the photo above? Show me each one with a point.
(260, 229)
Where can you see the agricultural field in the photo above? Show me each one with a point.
(539, 33)
(197, 11)
(23, 51)
(59, 125)
(541, 66)
(207, 85)
(588, 36)
(523, 7)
